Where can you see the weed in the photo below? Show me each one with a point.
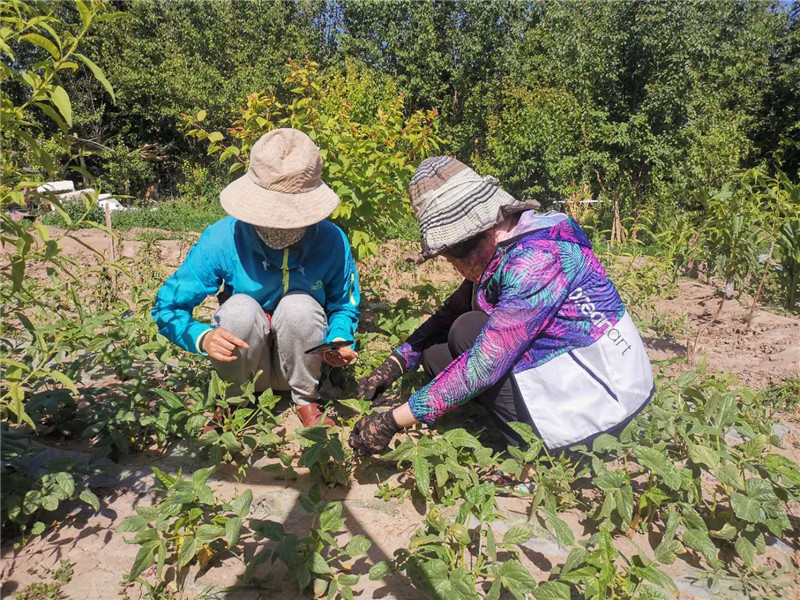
(41, 590)
(316, 560)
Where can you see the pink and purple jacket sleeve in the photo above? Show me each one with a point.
(532, 286)
(438, 324)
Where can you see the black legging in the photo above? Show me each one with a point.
(502, 401)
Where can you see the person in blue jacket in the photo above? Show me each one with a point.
(287, 273)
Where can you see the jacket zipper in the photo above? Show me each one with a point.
(285, 270)
(594, 376)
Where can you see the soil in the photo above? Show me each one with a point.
(767, 353)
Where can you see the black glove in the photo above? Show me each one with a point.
(373, 433)
(381, 378)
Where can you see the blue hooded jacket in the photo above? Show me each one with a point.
(230, 253)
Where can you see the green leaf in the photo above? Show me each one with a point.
(63, 380)
(759, 489)
(272, 530)
(698, 540)
(38, 528)
(728, 474)
(208, 532)
(233, 529)
(726, 532)
(604, 442)
(31, 502)
(84, 12)
(703, 455)
(491, 545)
(460, 438)
(42, 42)
(380, 570)
(144, 558)
(747, 509)
(651, 573)
(187, 553)
(98, 74)
(624, 501)
(564, 535)
(66, 483)
(331, 517)
(60, 98)
(241, 506)
(345, 579)
(518, 534)
(49, 502)
(666, 552)
(789, 471)
(516, 578)
(552, 590)
(746, 550)
(215, 136)
(318, 564)
(166, 480)
(132, 524)
(88, 496)
(422, 476)
(357, 546)
(200, 476)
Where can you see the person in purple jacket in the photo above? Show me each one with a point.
(536, 333)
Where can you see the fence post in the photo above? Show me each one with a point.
(113, 245)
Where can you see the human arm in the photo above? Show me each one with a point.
(342, 293)
(199, 276)
(438, 324)
(532, 287)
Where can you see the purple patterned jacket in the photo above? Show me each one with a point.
(557, 322)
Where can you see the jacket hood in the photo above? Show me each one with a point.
(551, 225)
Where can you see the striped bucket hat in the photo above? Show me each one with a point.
(453, 203)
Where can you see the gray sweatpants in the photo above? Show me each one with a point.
(298, 323)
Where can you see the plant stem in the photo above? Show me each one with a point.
(760, 285)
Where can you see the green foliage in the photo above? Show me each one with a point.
(784, 395)
(31, 98)
(33, 490)
(49, 591)
(726, 495)
(325, 455)
(367, 163)
(317, 560)
(454, 559)
(445, 467)
(595, 573)
(189, 524)
(244, 424)
(175, 216)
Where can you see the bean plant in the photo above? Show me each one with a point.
(189, 524)
(317, 560)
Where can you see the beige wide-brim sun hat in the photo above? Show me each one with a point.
(283, 187)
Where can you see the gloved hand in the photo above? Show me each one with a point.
(373, 433)
(381, 378)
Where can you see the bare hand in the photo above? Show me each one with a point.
(340, 357)
(220, 344)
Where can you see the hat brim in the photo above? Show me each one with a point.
(503, 213)
(247, 201)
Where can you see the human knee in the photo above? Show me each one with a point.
(241, 315)
(299, 315)
(465, 331)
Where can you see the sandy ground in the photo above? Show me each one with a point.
(769, 352)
